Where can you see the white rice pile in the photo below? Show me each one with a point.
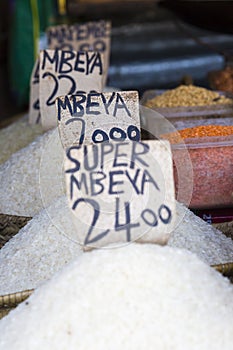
(137, 297)
(38, 250)
(194, 234)
(16, 136)
(32, 177)
(43, 246)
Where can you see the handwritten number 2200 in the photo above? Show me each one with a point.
(51, 99)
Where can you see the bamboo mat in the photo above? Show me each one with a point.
(10, 225)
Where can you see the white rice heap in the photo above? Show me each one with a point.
(32, 177)
(201, 238)
(43, 246)
(136, 297)
(16, 136)
(38, 250)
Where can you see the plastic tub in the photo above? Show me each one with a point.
(209, 184)
(216, 216)
(212, 163)
(186, 117)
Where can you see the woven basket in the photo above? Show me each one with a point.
(226, 228)
(9, 301)
(225, 269)
(10, 225)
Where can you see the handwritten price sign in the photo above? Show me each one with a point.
(86, 118)
(66, 72)
(90, 36)
(121, 192)
(34, 106)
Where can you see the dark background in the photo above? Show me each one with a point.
(155, 45)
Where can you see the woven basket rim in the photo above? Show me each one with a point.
(226, 269)
(11, 298)
(9, 301)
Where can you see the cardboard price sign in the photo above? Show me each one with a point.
(66, 72)
(87, 118)
(90, 36)
(34, 105)
(121, 192)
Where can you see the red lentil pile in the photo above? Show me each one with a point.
(212, 167)
(198, 131)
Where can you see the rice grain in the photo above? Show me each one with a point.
(136, 297)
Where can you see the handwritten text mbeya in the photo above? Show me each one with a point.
(63, 73)
(121, 191)
(93, 117)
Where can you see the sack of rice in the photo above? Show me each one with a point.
(32, 177)
(134, 297)
(16, 136)
(46, 243)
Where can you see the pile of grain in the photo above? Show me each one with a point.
(17, 136)
(32, 177)
(198, 131)
(38, 250)
(194, 234)
(43, 246)
(136, 297)
(184, 96)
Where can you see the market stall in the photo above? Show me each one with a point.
(116, 197)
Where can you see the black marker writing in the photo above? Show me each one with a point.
(64, 62)
(82, 104)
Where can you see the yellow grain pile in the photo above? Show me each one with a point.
(184, 96)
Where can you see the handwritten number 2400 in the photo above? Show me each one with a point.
(51, 99)
(149, 217)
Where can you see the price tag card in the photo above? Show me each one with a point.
(120, 192)
(93, 117)
(34, 105)
(91, 36)
(66, 72)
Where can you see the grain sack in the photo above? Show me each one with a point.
(45, 244)
(16, 136)
(135, 297)
(32, 177)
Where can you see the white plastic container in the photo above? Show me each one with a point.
(211, 157)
